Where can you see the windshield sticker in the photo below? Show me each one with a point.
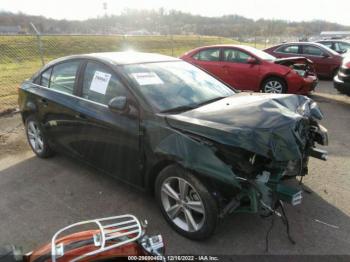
(148, 78)
(100, 82)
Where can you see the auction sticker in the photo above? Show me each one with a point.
(100, 82)
(147, 78)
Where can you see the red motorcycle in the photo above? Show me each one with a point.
(105, 239)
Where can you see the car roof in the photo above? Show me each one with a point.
(122, 58)
(307, 43)
(243, 47)
(302, 43)
(223, 46)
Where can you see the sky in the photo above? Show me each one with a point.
(294, 10)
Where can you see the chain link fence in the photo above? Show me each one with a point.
(22, 55)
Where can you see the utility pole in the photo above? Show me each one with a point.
(105, 8)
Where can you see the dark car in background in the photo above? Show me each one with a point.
(326, 60)
(340, 46)
(342, 79)
(247, 68)
(162, 124)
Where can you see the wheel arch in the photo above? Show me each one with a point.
(29, 109)
(193, 154)
(154, 171)
(273, 75)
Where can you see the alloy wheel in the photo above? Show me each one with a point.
(273, 86)
(35, 137)
(182, 204)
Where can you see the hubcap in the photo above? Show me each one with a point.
(273, 87)
(35, 137)
(182, 204)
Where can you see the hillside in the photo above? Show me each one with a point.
(171, 22)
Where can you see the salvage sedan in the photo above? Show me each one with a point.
(247, 68)
(326, 61)
(162, 124)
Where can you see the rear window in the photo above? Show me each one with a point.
(45, 78)
(208, 55)
(63, 76)
(289, 49)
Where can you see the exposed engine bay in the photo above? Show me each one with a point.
(301, 65)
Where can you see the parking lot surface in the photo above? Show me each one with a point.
(38, 197)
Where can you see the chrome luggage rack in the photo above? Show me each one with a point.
(114, 232)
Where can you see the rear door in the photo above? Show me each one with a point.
(57, 102)
(236, 70)
(209, 60)
(107, 139)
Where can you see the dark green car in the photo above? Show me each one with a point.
(161, 124)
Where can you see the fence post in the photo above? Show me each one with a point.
(40, 44)
(172, 45)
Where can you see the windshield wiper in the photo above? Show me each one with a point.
(178, 109)
(210, 101)
(190, 107)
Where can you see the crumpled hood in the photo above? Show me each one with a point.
(290, 60)
(267, 124)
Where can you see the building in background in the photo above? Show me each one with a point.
(335, 34)
(11, 30)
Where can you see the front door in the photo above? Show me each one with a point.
(237, 72)
(322, 63)
(107, 139)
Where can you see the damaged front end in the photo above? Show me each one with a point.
(260, 156)
(301, 65)
(263, 179)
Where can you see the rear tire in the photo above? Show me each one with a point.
(36, 137)
(274, 85)
(186, 203)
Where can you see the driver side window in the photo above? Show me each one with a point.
(100, 84)
(235, 56)
(312, 50)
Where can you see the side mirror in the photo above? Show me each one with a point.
(252, 61)
(118, 103)
(325, 55)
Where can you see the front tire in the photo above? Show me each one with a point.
(186, 203)
(36, 138)
(274, 85)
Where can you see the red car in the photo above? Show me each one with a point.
(327, 62)
(342, 79)
(247, 68)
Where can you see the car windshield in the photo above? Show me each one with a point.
(176, 86)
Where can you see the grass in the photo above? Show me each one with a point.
(20, 56)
